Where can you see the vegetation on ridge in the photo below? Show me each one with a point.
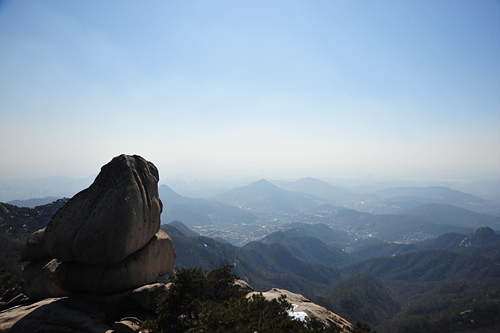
(198, 301)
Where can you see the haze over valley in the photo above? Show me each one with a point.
(345, 150)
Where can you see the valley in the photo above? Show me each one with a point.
(400, 215)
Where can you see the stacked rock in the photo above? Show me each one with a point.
(105, 239)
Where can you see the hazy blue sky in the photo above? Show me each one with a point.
(278, 88)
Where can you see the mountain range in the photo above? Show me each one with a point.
(452, 215)
(388, 200)
(324, 192)
(32, 203)
(263, 263)
(266, 198)
(431, 194)
(263, 266)
(389, 292)
(440, 282)
(263, 201)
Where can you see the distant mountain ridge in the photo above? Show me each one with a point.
(387, 227)
(440, 259)
(327, 235)
(448, 214)
(309, 248)
(323, 191)
(197, 211)
(32, 203)
(483, 241)
(307, 241)
(435, 194)
(265, 197)
(289, 197)
(427, 265)
(313, 186)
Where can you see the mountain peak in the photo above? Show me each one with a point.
(484, 231)
(166, 193)
(263, 185)
(480, 237)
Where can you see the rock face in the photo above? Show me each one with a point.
(54, 278)
(302, 304)
(41, 280)
(113, 218)
(35, 248)
(142, 267)
(84, 313)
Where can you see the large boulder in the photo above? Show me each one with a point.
(143, 267)
(113, 218)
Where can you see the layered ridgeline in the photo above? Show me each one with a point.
(249, 213)
(98, 264)
(354, 263)
(391, 200)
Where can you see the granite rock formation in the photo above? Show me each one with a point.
(116, 216)
(98, 258)
(105, 239)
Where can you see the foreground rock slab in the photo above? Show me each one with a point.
(85, 313)
(302, 304)
(54, 315)
(113, 218)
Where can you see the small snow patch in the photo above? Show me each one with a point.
(300, 315)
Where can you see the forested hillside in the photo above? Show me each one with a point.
(417, 290)
(16, 224)
(447, 284)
